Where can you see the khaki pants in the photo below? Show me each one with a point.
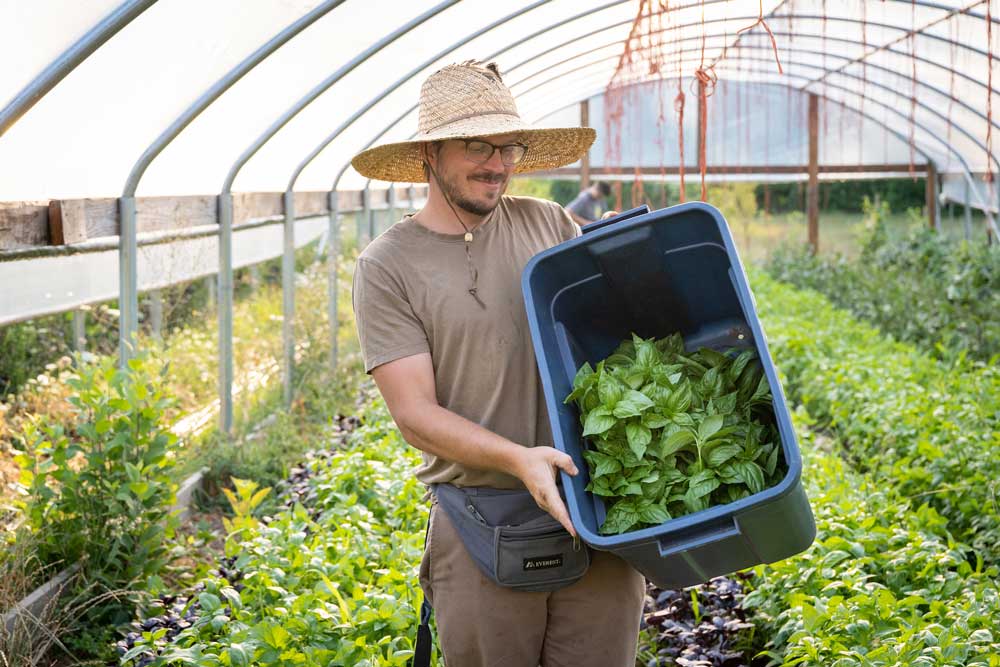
(592, 623)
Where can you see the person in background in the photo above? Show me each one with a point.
(589, 203)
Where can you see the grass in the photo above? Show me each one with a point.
(839, 232)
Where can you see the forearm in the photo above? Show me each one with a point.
(449, 436)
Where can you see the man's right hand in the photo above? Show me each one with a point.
(537, 467)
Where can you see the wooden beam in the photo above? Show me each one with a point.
(931, 195)
(23, 224)
(812, 198)
(31, 224)
(585, 160)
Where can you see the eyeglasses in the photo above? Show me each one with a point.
(480, 151)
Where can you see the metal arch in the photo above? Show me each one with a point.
(934, 5)
(390, 89)
(221, 86)
(519, 42)
(311, 96)
(876, 24)
(69, 59)
(889, 26)
(127, 241)
(777, 33)
(967, 171)
(922, 105)
(225, 209)
(334, 220)
(750, 47)
(129, 322)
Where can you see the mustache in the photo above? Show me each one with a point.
(489, 177)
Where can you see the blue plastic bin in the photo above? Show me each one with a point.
(655, 274)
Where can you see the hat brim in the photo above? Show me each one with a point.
(548, 148)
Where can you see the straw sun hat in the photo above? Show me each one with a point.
(470, 100)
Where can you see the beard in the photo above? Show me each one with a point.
(482, 206)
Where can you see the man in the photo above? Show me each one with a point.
(584, 208)
(445, 335)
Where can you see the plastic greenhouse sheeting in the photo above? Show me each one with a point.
(917, 71)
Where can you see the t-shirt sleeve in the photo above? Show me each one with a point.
(387, 326)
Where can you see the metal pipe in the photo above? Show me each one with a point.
(156, 313)
(287, 116)
(322, 87)
(288, 297)
(913, 31)
(334, 197)
(875, 24)
(515, 44)
(391, 216)
(223, 84)
(364, 222)
(333, 264)
(128, 280)
(79, 330)
(798, 64)
(776, 33)
(372, 222)
(402, 80)
(225, 314)
(69, 59)
(681, 52)
(967, 218)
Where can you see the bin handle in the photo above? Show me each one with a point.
(601, 224)
(703, 536)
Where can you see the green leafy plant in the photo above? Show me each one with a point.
(675, 433)
(941, 295)
(884, 583)
(928, 427)
(100, 489)
(243, 501)
(331, 583)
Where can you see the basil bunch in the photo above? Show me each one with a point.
(674, 433)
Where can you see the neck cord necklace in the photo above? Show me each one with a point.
(473, 271)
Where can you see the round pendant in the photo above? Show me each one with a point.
(468, 237)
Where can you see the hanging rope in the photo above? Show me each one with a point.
(759, 22)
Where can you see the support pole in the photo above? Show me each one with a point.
(333, 264)
(128, 293)
(156, 312)
(210, 296)
(225, 312)
(931, 195)
(392, 204)
(585, 160)
(967, 219)
(366, 211)
(79, 330)
(409, 196)
(288, 296)
(812, 192)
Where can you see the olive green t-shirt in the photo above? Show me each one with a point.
(411, 296)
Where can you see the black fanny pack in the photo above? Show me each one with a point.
(513, 541)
